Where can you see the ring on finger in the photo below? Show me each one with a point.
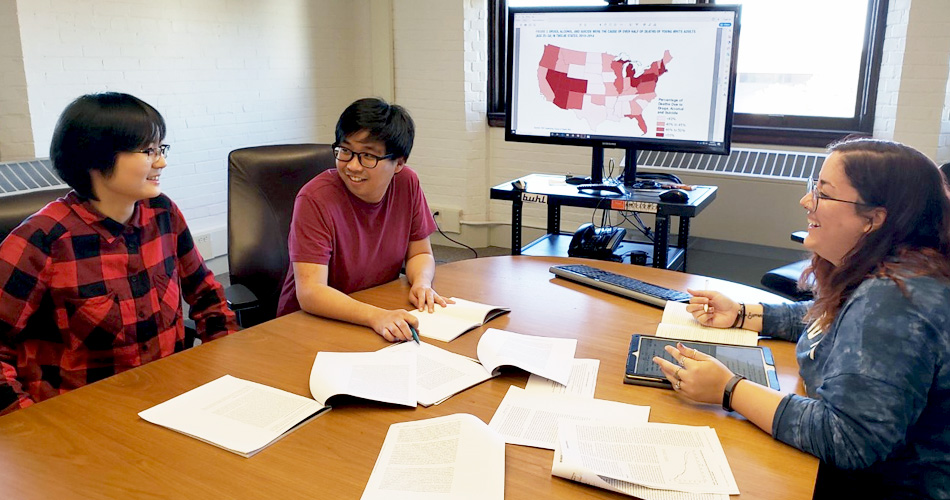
(676, 374)
(679, 385)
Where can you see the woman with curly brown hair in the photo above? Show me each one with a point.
(874, 346)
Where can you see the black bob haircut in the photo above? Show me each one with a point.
(94, 128)
(387, 123)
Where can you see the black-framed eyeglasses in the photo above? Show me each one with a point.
(153, 153)
(815, 196)
(367, 160)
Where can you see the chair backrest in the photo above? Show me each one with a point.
(16, 207)
(262, 184)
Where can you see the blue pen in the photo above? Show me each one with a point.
(415, 334)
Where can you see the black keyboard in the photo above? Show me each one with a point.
(621, 285)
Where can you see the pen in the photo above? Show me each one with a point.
(706, 305)
(415, 334)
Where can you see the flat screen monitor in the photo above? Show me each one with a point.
(656, 77)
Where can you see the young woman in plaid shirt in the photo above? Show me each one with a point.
(91, 285)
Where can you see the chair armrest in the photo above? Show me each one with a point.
(240, 297)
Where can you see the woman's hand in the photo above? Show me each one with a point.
(394, 325)
(712, 308)
(696, 375)
(425, 298)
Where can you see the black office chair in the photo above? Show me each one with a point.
(262, 184)
(784, 280)
(16, 207)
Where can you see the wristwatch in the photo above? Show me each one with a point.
(727, 394)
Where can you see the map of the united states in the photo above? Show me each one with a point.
(599, 86)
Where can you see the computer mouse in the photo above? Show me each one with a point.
(674, 196)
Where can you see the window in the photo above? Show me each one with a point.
(808, 70)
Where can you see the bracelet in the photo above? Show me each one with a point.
(740, 316)
(727, 393)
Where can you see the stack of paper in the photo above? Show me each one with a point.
(651, 461)
(438, 374)
(679, 324)
(447, 323)
(240, 416)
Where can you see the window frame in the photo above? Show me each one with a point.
(806, 131)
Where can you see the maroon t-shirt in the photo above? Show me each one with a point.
(362, 244)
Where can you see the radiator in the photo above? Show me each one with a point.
(27, 176)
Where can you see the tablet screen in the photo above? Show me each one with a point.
(746, 361)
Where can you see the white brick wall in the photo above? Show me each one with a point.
(923, 83)
(224, 73)
(440, 74)
(16, 133)
(943, 144)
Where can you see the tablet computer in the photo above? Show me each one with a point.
(754, 363)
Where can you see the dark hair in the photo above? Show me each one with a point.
(94, 128)
(387, 123)
(945, 168)
(915, 236)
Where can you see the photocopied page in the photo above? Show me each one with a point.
(235, 414)
(449, 322)
(582, 382)
(679, 324)
(441, 374)
(451, 457)
(549, 357)
(532, 418)
(385, 376)
(574, 471)
(659, 456)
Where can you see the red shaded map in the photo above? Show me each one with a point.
(599, 86)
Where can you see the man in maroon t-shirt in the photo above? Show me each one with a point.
(354, 227)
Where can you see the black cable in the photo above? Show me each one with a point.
(593, 213)
(638, 225)
(450, 239)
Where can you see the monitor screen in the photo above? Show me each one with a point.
(657, 77)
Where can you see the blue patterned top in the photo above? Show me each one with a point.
(878, 384)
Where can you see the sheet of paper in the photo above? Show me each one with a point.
(582, 382)
(679, 324)
(440, 373)
(532, 418)
(574, 471)
(548, 357)
(658, 456)
(238, 415)
(452, 457)
(385, 376)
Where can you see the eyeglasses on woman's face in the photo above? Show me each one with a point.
(817, 195)
(154, 153)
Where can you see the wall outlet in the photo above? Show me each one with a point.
(448, 218)
(203, 244)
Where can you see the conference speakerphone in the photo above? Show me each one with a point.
(630, 288)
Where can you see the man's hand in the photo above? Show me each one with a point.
(425, 298)
(394, 325)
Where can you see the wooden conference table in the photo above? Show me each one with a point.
(90, 443)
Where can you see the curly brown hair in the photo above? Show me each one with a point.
(914, 239)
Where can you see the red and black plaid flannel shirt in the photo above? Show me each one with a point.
(83, 297)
